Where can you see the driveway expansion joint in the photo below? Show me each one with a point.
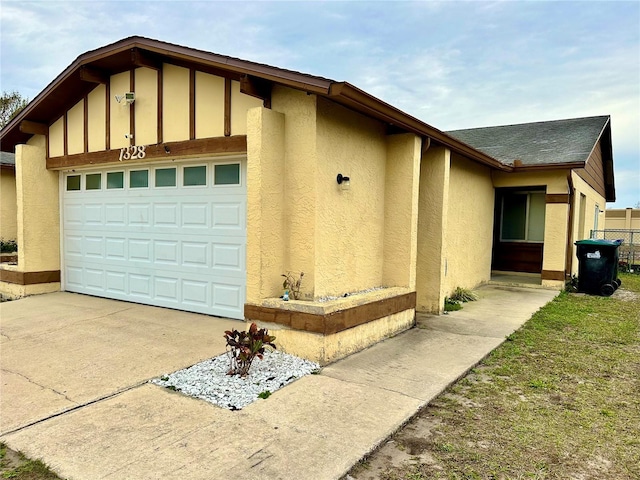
(78, 406)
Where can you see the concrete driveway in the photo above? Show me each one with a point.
(63, 350)
(89, 358)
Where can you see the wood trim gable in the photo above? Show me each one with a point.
(160, 107)
(85, 127)
(201, 146)
(107, 133)
(192, 103)
(227, 107)
(334, 322)
(593, 171)
(132, 108)
(557, 275)
(29, 278)
(556, 198)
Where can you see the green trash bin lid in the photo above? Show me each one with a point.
(597, 241)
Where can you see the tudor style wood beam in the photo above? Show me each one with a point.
(139, 59)
(164, 151)
(256, 87)
(93, 75)
(33, 128)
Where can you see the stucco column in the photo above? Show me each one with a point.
(402, 177)
(555, 240)
(38, 202)
(265, 203)
(432, 228)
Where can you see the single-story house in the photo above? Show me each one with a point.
(160, 174)
(8, 212)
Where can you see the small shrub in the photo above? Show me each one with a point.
(8, 246)
(293, 284)
(244, 346)
(571, 286)
(463, 295)
(451, 305)
(264, 395)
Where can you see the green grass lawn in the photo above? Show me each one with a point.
(560, 399)
(16, 466)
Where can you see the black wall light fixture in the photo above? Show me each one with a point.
(342, 180)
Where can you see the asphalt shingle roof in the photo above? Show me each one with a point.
(538, 143)
(7, 158)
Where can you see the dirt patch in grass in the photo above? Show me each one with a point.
(560, 399)
(16, 466)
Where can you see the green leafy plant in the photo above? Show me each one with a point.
(8, 246)
(244, 346)
(264, 395)
(293, 284)
(451, 305)
(463, 295)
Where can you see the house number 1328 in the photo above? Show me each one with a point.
(133, 152)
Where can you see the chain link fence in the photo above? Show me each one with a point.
(629, 251)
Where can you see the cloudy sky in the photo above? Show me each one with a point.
(452, 64)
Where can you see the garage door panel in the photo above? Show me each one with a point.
(195, 215)
(73, 245)
(195, 254)
(166, 288)
(94, 247)
(116, 282)
(178, 247)
(115, 214)
(140, 285)
(140, 214)
(115, 248)
(165, 252)
(73, 276)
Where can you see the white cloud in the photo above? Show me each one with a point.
(451, 64)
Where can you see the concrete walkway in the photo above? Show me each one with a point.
(74, 392)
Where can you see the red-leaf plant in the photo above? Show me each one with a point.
(244, 346)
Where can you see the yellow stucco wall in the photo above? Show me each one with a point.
(240, 103)
(8, 210)
(344, 240)
(265, 204)
(175, 103)
(325, 349)
(433, 204)
(626, 219)
(556, 229)
(119, 112)
(75, 128)
(209, 109)
(555, 181)
(300, 170)
(97, 119)
(56, 138)
(349, 223)
(146, 106)
(402, 185)
(15, 291)
(37, 193)
(592, 199)
(469, 234)
(209, 105)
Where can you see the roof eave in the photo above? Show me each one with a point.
(549, 167)
(351, 96)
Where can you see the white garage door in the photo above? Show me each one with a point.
(171, 235)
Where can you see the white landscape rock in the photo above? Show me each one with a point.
(209, 381)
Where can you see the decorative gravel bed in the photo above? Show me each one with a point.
(209, 381)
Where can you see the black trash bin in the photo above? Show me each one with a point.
(598, 268)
